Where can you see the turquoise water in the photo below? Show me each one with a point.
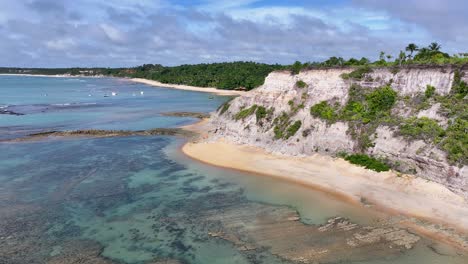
(139, 200)
(87, 103)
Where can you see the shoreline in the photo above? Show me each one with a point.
(142, 81)
(387, 192)
(187, 87)
(53, 76)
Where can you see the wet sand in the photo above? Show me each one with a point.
(407, 195)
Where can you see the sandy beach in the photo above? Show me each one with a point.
(148, 82)
(188, 88)
(388, 191)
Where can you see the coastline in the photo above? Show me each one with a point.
(187, 88)
(413, 197)
(143, 81)
(51, 76)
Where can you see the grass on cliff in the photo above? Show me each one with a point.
(301, 84)
(456, 141)
(324, 111)
(284, 128)
(368, 162)
(357, 74)
(422, 128)
(364, 111)
(244, 113)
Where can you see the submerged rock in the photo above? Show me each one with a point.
(187, 114)
(276, 228)
(104, 133)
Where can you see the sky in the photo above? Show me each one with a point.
(125, 33)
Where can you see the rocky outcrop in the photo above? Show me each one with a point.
(104, 133)
(281, 93)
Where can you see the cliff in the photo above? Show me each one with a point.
(334, 110)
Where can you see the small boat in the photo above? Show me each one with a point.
(114, 93)
(211, 97)
(141, 92)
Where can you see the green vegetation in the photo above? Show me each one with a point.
(380, 101)
(422, 128)
(224, 108)
(456, 141)
(301, 84)
(367, 106)
(357, 74)
(292, 129)
(459, 87)
(283, 128)
(431, 54)
(367, 162)
(324, 111)
(297, 67)
(244, 113)
(430, 90)
(281, 123)
(260, 113)
(248, 75)
(228, 75)
(365, 110)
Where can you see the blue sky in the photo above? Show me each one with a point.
(113, 33)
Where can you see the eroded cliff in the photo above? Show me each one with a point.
(408, 117)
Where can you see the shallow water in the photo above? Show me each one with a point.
(87, 103)
(139, 200)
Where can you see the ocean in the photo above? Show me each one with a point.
(138, 199)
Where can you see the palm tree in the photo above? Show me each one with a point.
(434, 46)
(411, 48)
(401, 57)
(382, 56)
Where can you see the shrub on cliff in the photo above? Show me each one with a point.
(459, 87)
(456, 141)
(244, 113)
(324, 111)
(381, 100)
(301, 84)
(367, 162)
(422, 128)
(292, 129)
(357, 74)
(297, 67)
(430, 90)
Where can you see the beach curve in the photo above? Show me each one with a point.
(188, 88)
(390, 192)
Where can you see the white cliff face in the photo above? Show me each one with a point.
(413, 80)
(433, 113)
(315, 135)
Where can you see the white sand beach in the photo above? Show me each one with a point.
(388, 191)
(188, 88)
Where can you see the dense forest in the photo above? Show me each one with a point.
(233, 75)
(411, 55)
(227, 75)
(248, 75)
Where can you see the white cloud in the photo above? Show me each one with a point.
(112, 33)
(60, 44)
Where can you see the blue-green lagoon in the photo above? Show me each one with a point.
(138, 199)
